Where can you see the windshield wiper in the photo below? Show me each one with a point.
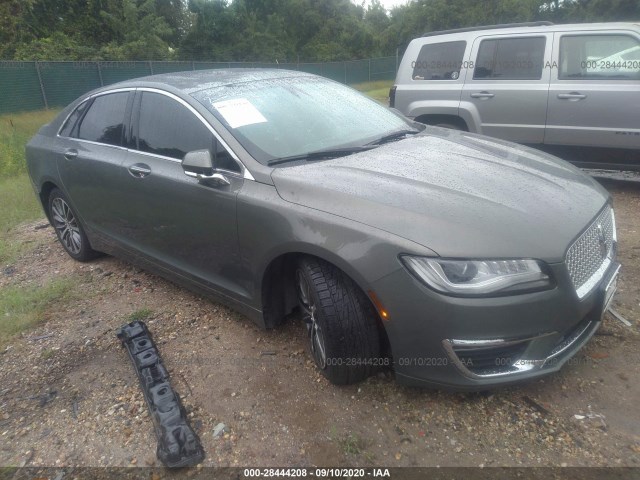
(393, 136)
(321, 154)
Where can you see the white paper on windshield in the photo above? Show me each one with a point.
(239, 112)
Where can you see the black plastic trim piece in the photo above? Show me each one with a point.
(178, 444)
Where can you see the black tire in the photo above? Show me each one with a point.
(340, 317)
(68, 228)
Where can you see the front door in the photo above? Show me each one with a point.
(175, 220)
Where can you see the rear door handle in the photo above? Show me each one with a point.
(139, 170)
(571, 96)
(71, 154)
(482, 95)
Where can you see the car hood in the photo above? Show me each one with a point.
(458, 194)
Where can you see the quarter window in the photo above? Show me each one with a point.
(69, 129)
(167, 128)
(439, 61)
(104, 122)
(510, 59)
(599, 56)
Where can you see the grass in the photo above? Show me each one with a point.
(16, 195)
(22, 308)
(15, 131)
(378, 90)
(141, 314)
(21, 206)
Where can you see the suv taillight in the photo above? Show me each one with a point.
(392, 96)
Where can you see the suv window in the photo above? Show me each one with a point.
(169, 129)
(439, 61)
(104, 122)
(510, 59)
(597, 56)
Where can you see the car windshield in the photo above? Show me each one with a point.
(288, 118)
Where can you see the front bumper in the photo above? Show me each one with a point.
(480, 343)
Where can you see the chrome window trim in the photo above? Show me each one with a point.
(245, 173)
(117, 90)
(91, 142)
(175, 160)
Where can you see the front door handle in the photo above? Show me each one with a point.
(71, 154)
(139, 170)
(574, 96)
(482, 95)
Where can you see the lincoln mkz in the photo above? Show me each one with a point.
(458, 260)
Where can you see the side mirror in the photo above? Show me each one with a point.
(199, 164)
(198, 161)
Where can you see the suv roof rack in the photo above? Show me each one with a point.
(488, 27)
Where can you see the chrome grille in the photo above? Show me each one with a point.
(591, 252)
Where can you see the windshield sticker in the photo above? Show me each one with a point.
(239, 112)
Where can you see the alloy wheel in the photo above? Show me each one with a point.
(66, 225)
(309, 313)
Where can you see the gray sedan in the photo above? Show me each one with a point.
(457, 260)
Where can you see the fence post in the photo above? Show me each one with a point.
(100, 74)
(369, 69)
(150, 67)
(44, 95)
(193, 65)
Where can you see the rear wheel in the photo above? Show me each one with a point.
(340, 323)
(68, 228)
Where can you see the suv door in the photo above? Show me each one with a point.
(91, 153)
(175, 221)
(506, 93)
(594, 98)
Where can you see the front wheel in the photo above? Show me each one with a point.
(68, 228)
(340, 322)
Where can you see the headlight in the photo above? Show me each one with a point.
(478, 277)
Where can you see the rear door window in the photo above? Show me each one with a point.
(589, 57)
(510, 59)
(439, 61)
(104, 121)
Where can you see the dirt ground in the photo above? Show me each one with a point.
(69, 395)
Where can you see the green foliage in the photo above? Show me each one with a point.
(138, 315)
(15, 132)
(378, 90)
(56, 47)
(260, 30)
(22, 308)
(17, 197)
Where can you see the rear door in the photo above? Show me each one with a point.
(90, 156)
(594, 98)
(507, 90)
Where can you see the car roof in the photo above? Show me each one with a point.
(190, 82)
(533, 27)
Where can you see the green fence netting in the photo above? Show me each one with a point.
(26, 86)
